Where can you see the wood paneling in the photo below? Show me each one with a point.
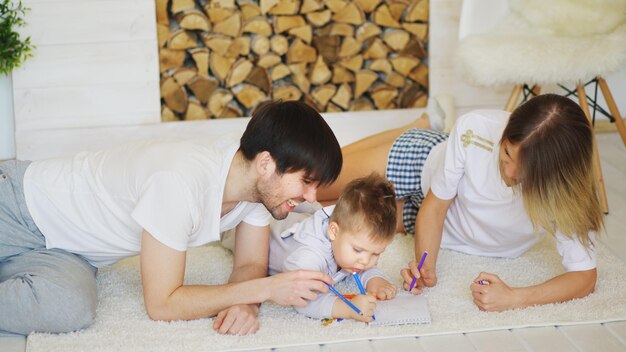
(80, 106)
(544, 339)
(63, 22)
(496, 341)
(89, 64)
(592, 338)
(96, 64)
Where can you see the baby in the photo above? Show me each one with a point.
(340, 240)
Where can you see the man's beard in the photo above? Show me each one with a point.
(265, 199)
(275, 210)
(275, 214)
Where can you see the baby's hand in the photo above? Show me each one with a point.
(367, 305)
(381, 288)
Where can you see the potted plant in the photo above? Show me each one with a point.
(13, 51)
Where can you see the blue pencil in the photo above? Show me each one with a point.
(358, 283)
(419, 267)
(347, 301)
(361, 289)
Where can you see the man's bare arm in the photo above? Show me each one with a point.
(166, 298)
(250, 261)
(251, 252)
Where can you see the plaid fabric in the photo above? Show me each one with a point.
(404, 169)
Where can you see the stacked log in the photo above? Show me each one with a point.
(221, 58)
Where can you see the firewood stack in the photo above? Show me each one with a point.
(221, 58)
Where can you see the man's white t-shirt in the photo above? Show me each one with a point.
(96, 204)
(486, 216)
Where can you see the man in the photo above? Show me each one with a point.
(60, 219)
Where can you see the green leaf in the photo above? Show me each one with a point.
(13, 49)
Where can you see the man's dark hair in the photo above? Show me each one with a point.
(297, 137)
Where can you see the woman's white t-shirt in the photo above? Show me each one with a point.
(96, 204)
(486, 216)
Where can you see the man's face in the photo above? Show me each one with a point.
(280, 194)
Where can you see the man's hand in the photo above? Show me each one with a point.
(295, 288)
(240, 319)
(425, 278)
(381, 288)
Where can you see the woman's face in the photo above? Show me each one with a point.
(509, 162)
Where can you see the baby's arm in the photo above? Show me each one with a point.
(377, 283)
(327, 305)
(321, 307)
(308, 259)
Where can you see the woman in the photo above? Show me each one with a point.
(489, 188)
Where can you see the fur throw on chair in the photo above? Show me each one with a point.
(572, 17)
(547, 42)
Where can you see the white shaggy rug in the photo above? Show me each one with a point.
(122, 324)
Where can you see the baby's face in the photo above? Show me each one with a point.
(355, 251)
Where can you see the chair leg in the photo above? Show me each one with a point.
(536, 90)
(608, 97)
(604, 204)
(514, 98)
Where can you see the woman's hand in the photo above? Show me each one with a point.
(427, 277)
(381, 288)
(492, 295)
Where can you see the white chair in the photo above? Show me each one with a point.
(533, 43)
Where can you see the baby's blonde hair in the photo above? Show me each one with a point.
(368, 203)
(555, 165)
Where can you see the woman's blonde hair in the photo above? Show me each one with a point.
(555, 168)
(368, 203)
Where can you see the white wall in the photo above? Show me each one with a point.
(7, 123)
(94, 81)
(96, 64)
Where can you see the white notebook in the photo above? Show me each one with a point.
(403, 309)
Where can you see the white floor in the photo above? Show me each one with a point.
(591, 337)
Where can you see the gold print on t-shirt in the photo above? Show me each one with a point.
(470, 138)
